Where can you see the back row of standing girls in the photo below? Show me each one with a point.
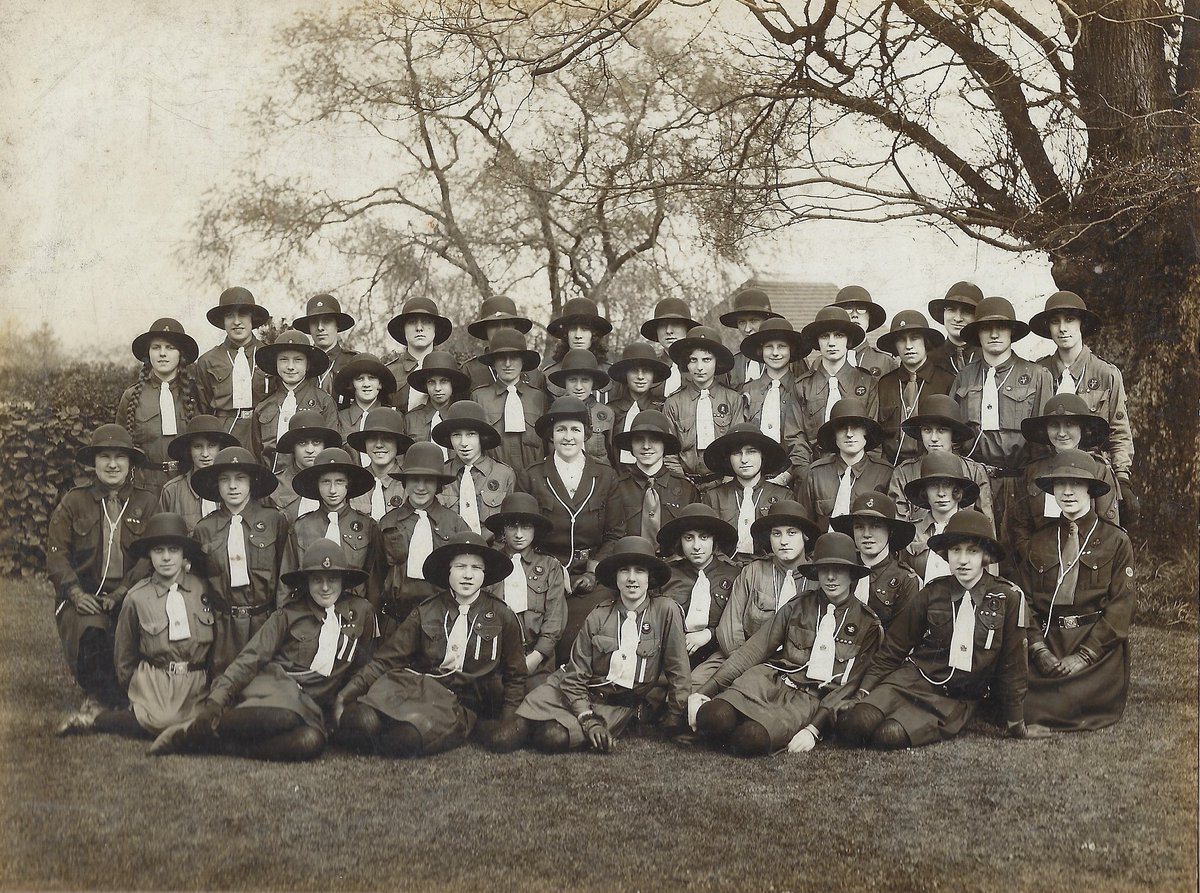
(688, 433)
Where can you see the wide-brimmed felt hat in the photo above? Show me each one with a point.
(1070, 407)
(578, 312)
(697, 516)
(575, 361)
(170, 330)
(166, 529)
(519, 508)
(365, 364)
(857, 296)
(702, 338)
(775, 329)
(1075, 465)
(633, 551)
(207, 426)
(876, 506)
(442, 363)
(466, 415)
(639, 353)
(717, 454)
(967, 524)
(110, 437)
(498, 308)
(938, 409)
(786, 511)
(848, 410)
(834, 550)
(941, 466)
(562, 408)
(1065, 302)
(238, 298)
(667, 310)
(325, 555)
(749, 300)
(654, 423)
(496, 565)
(266, 357)
(906, 322)
(420, 306)
(510, 341)
(234, 458)
(967, 293)
(306, 481)
(383, 421)
(323, 305)
(833, 319)
(989, 312)
(423, 458)
(307, 424)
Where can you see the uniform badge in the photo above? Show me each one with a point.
(204, 599)
(875, 370)
(861, 390)
(489, 615)
(869, 502)
(893, 582)
(537, 569)
(394, 501)
(493, 485)
(1129, 571)
(602, 413)
(1120, 415)
(356, 526)
(327, 562)
(646, 626)
(723, 409)
(1093, 384)
(851, 629)
(773, 499)
(260, 526)
(1024, 379)
(726, 584)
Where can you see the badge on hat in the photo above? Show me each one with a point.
(327, 562)
(870, 502)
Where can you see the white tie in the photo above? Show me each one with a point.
(935, 565)
(416, 398)
(700, 604)
(771, 425)
(852, 357)
(468, 500)
(177, 619)
(754, 369)
(622, 670)
(962, 643)
(378, 502)
(1066, 386)
(705, 428)
(745, 541)
(364, 460)
(820, 659)
(207, 508)
(166, 409)
(835, 394)
(514, 413)
(235, 546)
(989, 414)
(419, 546)
(456, 642)
(333, 531)
(787, 591)
(862, 589)
(286, 411)
(841, 503)
(1051, 509)
(674, 381)
(626, 457)
(516, 587)
(243, 397)
(306, 505)
(327, 640)
(434, 421)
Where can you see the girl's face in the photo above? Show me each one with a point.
(332, 487)
(1066, 329)
(419, 330)
(833, 346)
(366, 388)
(648, 450)
(465, 445)
(238, 327)
(305, 451)
(381, 449)
(234, 489)
(956, 317)
(578, 385)
(746, 462)
(943, 496)
(164, 358)
(1063, 434)
(633, 584)
(870, 538)
(639, 380)
(749, 323)
(567, 438)
(325, 587)
(910, 347)
(702, 367)
(323, 330)
(466, 575)
(937, 437)
(439, 389)
(995, 339)
(508, 366)
(420, 490)
(671, 331)
(696, 546)
(578, 336)
(491, 328)
(112, 468)
(203, 451)
(519, 537)
(1072, 497)
(291, 367)
(835, 583)
(167, 561)
(851, 440)
(787, 543)
(776, 354)
(966, 560)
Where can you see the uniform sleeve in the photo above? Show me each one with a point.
(204, 386)
(1113, 625)
(58, 548)
(754, 651)
(896, 492)
(515, 670)
(907, 628)
(397, 650)
(731, 634)
(676, 665)
(872, 399)
(1045, 387)
(1012, 672)
(671, 410)
(614, 522)
(1120, 438)
(289, 560)
(978, 474)
(126, 644)
(823, 719)
(554, 621)
(256, 655)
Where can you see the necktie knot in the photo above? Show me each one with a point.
(463, 609)
(422, 514)
(236, 520)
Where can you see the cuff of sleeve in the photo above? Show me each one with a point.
(1014, 713)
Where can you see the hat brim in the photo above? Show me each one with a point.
(828, 431)
(941, 543)
(351, 576)
(460, 382)
(1091, 323)
(760, 528)
(545, 423)
(623, 440)
(530, 359)
(600, 378)
(1094, 429)
(497, 522)
(442, 327)
(752, 345)
(811, 570)
(854, 333)
(649, 328)
(343, 382)
(187, 345)
(357, 440)
(192, 550)
(659, 371)
(496, 565)
(606, 570)
(937, 308)
(558, 326)
(887, 341)
(180, 447)
(489, 437)
(876, 315)
(306, 481)
(87, 455)
(266, 358)
(478, 328)
(970, 332)
(259, 315)
(287, 441)
(959, 431)
(262, 482)
(774, 457)
(730, 319)
(682, 349)
(442, 477)
(915, 490)
(723, 533)
(1096, 487)
(900, 532)
(344, 321)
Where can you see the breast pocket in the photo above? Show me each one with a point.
(202, 626)
(1097, 401)
(1017, 402)
(153, 627)
(261, 552)
(604, 644)
(486, 647)
(131, 530)
(799, 643)
(145, 414)
(648, 646)
(989, 623)
(268, 417)
(355, 545)
(939, 626)
(492, 493)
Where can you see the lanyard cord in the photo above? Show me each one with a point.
(1064, 571)
(573, 514)
(113, 527)
(905, 412)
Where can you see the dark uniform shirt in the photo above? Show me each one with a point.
(812, 391)
(674, 493)
(894, 409)
(266, 417)
(721, 573)
(584, 527)
(1023, 388)
(361, 543)
(401, 592)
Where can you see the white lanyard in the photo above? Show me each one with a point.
(574, 514)
(113, 527)
(1063, 571)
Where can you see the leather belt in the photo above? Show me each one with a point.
(175, 667)
(242, 611)
(1076, 621)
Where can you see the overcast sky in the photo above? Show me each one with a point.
(118, 116)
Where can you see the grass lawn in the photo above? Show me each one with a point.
(1114, 809)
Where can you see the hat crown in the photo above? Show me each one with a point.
(306, 418)
(464, 410)
(832, 313)
(651, 420)
(874, 501)
(578, 359)
(672, 307)
(635, 545)
(835, 547)
(439, 359)
(333, 456)
(853, 294)
(939, 405)
(697, 510)
(1072, 463)
(752, 299)
(506, 340)
(941, 464)
(320, 304)
(568, 406)
(964, 293)
(291, 336)
(703, 333)
(849, 408)
(234, 455)
(517, 503)
(204, 424)
(236, 295)
(166, 324)
(639, 350)
(775, 324)
(164, 524)
(787, 507)
(419, 304)
(996, 308)
(1066, 404)
(497, 305)
(906, 319)
(112, 435)
(467, 538)
(384, 418)
(579, 307)
(969, 522)
(324, 554)
(424, 455)
(1064, 300)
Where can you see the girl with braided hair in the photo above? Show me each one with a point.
(158, 406)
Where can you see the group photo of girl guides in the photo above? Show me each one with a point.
(849, 533)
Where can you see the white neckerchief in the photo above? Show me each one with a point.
(962, 642)
(706, 429)
(820, 658)
(516, 586)
(935, 565)
(235, 547)
(700, 604)
(626, 457)
(327, 640)
(287, 409)
(746, 508)
(243, 397)
(468, 499)
(674, 381)
(834, 395)
(378, 500)
(514, 412)
(419, 546)
(333, 531)
(771, 411)
(622, 669)
(177, 618)
(166, 410)
(456, 638)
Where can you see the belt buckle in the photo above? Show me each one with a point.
(171, 467)
(240, 611)
(790, 682)
(1068, 622)
(177, 667)
(583, 554)
(245, 413)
